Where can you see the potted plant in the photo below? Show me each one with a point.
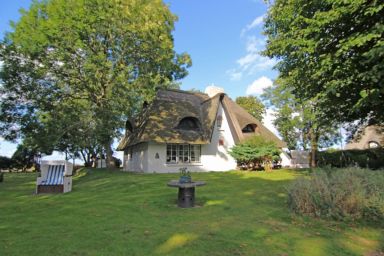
(185, 176)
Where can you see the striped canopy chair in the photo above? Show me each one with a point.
(56, 177)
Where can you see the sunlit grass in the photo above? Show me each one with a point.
(117, 213)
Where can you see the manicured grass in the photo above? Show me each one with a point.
(117, 213)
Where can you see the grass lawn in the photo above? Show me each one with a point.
(118, 213)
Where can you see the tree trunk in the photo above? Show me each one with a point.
(109, 156)
(314, 147)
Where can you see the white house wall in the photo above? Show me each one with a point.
(286, 160)
(138, 160)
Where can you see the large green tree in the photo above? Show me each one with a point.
(75, 70)
(332, 51)
(299, 122)
(253, 105)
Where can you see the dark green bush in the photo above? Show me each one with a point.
(344, 194)
(367, 158)
(6, 163)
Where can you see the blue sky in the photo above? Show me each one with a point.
(223, 38)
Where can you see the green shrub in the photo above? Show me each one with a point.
(367, 158)
(255, 152)
(344, 194)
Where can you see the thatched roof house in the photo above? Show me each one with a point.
(188, 128)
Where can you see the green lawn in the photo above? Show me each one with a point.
(117, 213)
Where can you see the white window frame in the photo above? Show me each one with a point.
(183, 154)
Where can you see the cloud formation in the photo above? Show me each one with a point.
(252, 61)
(257, 87)
(234, 75)
(256, 22)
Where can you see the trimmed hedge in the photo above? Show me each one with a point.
(367, 158)
(342, 194)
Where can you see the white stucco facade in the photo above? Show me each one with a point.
(150, 157)
(286, 160)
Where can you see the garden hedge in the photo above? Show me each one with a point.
(367, 158)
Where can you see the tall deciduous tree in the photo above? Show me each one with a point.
(299, 122)
(331, 51)
(75, 67)
(253, 105)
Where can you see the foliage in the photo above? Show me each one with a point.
(185, 175)
(331, 51)
(344, 194)
(255, 152)
(299, 122)
(253, 105)
(74, 71)
(24, 157)
(6, 163)
(367, 158)
(184, 172)
(237, 213)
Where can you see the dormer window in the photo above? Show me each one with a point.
(189, 123)
(249, 128)
(373, 144)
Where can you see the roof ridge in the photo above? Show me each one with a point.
(211, 98)
(181, 91)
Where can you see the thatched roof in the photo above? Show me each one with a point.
(368, 134)
(160, 120)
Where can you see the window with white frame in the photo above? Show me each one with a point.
(183, 153)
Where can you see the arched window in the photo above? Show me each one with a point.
(373, 144)
(189, 123)
(249, 128)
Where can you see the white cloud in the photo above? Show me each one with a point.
(255, 44)
(247, 60)
(256, 22)
(252, 61)
(257, 87)
(234, 75)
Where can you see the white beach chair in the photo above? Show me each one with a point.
(56, 177)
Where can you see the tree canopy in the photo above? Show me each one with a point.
(299, 122)
(75, 70)
(253, 105)
(331, 51)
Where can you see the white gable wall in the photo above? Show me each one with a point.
(137, 161)
(214, 157)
